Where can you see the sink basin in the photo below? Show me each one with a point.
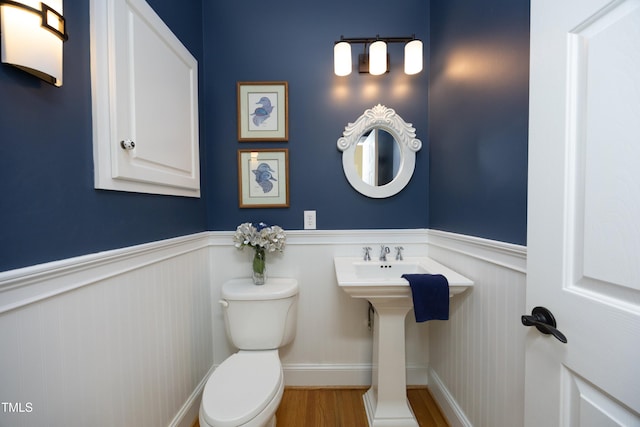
(370, 279)
(379, 282)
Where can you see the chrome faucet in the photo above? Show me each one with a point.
(367, 254)
(399, 250)
(384, 250)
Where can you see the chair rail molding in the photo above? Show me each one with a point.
(504, 254)
(30, 284)
(26, 285)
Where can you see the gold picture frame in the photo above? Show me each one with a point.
(263, 111)
(263, 178)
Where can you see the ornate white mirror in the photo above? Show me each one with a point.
(379, 152)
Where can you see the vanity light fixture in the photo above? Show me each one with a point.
(376, 61)
(32, 35)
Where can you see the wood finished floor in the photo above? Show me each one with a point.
(338, 407)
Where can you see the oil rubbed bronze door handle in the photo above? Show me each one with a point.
(544, 321)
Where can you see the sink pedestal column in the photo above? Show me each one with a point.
(386, 401)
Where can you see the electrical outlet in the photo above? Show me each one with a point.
(309, 220)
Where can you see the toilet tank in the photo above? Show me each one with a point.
(260, 317)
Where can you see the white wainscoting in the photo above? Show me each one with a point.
(128, 337)
(476, 358)
(120, 338)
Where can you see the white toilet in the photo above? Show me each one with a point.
(246, 389)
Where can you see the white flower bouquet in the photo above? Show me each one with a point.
(262, 238)
(271, 238)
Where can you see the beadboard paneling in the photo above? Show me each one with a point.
(477, 357)
(128, 337)
(121, 338)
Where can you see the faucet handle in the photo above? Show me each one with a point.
(367, 254)
(399, 250)
(384, 250)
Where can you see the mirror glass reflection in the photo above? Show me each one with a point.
(377, 157)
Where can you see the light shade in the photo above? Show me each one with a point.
(413, 57)
(32, 35)
(378, 58)
(342, 59)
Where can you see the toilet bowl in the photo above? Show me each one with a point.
(245, 390)
(247, 387)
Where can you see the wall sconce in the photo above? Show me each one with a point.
(376, 61)
(32, 36)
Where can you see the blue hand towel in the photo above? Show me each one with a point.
(430, 296)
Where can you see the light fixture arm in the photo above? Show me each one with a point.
(369, 40)
(45, 12)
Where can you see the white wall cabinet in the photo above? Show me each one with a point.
(145, 102)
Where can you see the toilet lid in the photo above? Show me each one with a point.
(241, 387)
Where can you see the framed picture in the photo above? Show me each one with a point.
(263, 178)
(263, 111)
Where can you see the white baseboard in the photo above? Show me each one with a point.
(342, 375)
(454, 414)
(317, 375)
(191, 408)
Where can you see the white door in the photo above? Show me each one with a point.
(584, 213)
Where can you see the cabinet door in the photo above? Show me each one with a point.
(145, 102)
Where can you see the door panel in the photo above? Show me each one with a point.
(605, 59)
(587, 406)
(157, 92)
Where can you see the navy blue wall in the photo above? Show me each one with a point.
(293, 41)
(470, 175)
(478, 118)
(49, 209)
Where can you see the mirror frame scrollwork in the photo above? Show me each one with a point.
(380, 117)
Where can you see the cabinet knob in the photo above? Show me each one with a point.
(127, 144)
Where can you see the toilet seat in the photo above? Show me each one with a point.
(242, 387)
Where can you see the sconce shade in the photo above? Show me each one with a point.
(32, 35)
(342, 59)
(378, 58)
(413, 57)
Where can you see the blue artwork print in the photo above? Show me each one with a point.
(263, 112)
(264, 176)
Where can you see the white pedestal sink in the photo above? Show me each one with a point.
(380, 283)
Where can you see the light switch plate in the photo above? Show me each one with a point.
(309, 220)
